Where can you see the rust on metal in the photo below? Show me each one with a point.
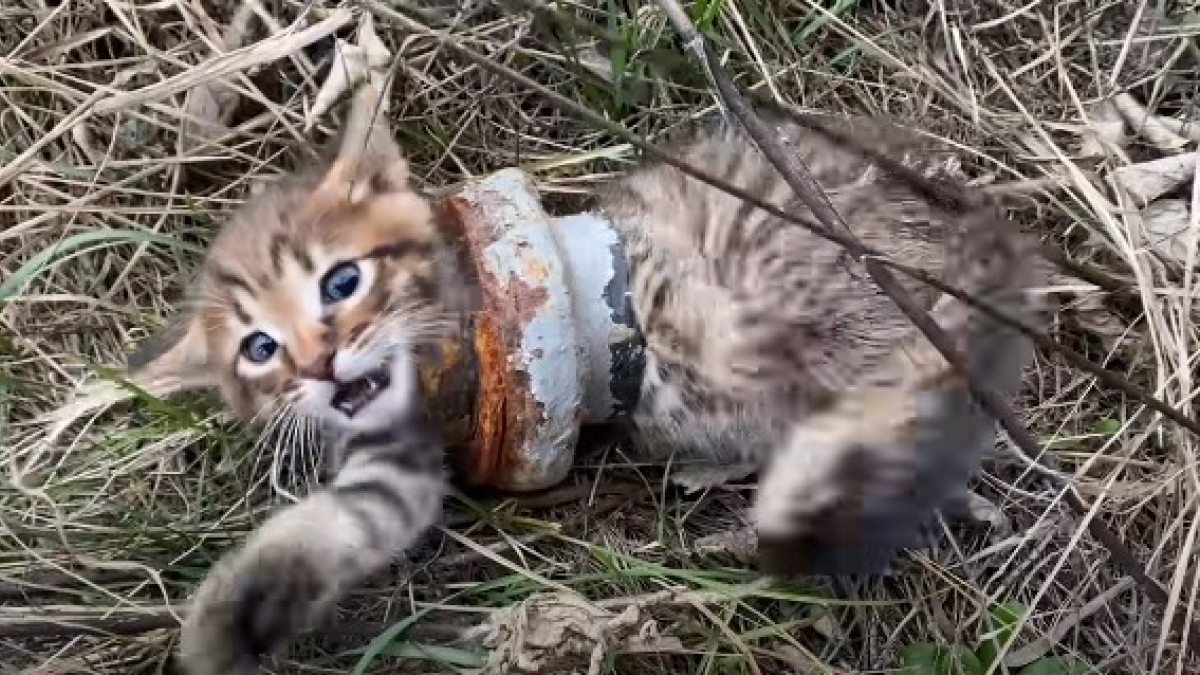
(450, 381)
(507, 415)
(491, 408)
(545, 349)
(479, 456)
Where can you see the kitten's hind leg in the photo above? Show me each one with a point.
(854, 485)
(699, 453)
(308, 556)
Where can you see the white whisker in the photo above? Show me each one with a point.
(278, 415)
(277, 456)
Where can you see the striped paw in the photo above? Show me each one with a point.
(249, 608)
(254, 601)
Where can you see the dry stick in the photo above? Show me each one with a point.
(994, 404)
(52, 624)
(798, 177)
(567, 105)
(66, 624)
(1125, 559)
(1103, 279)
(43, 626)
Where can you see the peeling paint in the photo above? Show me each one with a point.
(521, 262)
(553, 344)
(591, 253)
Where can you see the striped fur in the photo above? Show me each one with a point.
(769, 347)
(313, 306)
(293, 569)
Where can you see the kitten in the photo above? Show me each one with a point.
(766, 346)
(770, 347)
(318, 298)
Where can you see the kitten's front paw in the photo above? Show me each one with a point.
(249, 606)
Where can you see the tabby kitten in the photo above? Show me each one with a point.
(766, 346)
(769, 347)
(318, 297)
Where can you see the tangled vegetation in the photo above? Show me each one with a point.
(128, 130)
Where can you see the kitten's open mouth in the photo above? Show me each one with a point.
(353, 396)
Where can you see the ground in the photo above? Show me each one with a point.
(107, 199)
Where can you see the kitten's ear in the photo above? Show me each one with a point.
(368, 160)
(173, 359)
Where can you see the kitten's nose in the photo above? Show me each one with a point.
(320, 368)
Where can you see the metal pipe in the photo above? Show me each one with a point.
(552, 346)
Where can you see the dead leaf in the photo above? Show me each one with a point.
(1094, 317)
(826, 624)
(1084, 304)
(1189, 129)
(1141, 121)
(1148, 181)
(1166, 223)
(378, 54)
(742, 544)
(209, 106)
(558, 632)
(352, 64)
(1106, 133)
(207, 110)
(82, 135)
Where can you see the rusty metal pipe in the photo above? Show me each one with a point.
(552, 346)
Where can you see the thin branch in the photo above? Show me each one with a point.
(794, 171)
(1103, 279)
(571, 107)
(1124, 557)
(69, 624)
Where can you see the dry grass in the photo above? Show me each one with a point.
(103, 218)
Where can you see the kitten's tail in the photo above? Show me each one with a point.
(859, 482)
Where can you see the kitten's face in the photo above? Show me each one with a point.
(316, 301)
(315, 296)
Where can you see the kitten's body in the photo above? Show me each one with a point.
(769, 346)
(753, 322)
(766, 346)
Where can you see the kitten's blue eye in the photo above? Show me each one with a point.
(340, 282)
(258, 347)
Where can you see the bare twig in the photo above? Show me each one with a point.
(67, 624)
(1035, 650)
(1021, 437)
(875, 263)
(569, 106)
(792, 168)
(1092, 274)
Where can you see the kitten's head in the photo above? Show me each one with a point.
(316, 295)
